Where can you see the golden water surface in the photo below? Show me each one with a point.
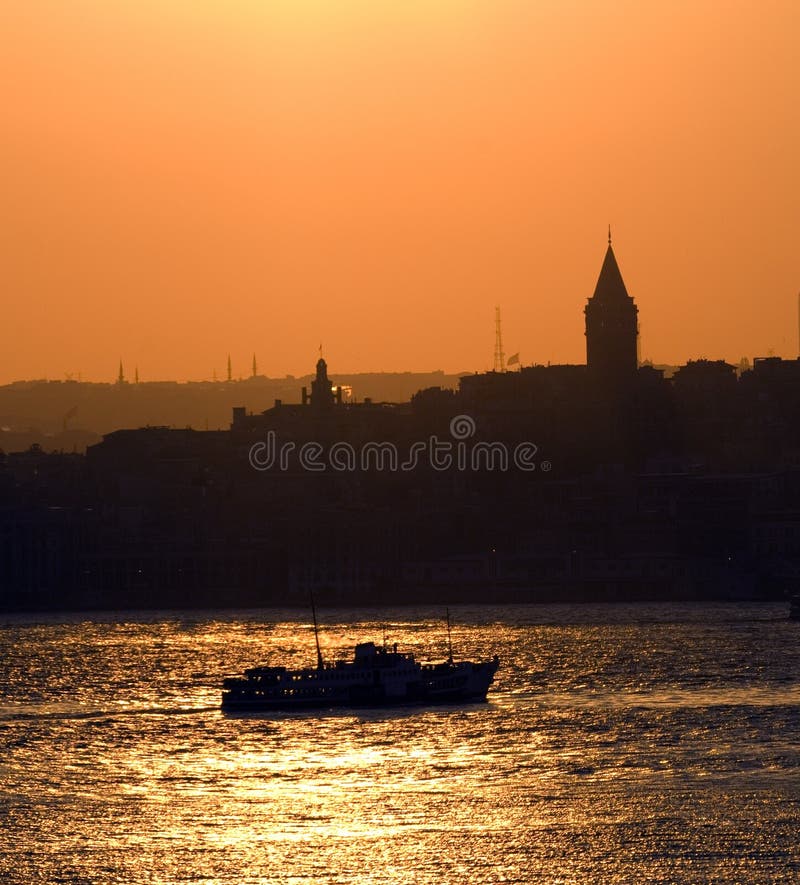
(619, 744)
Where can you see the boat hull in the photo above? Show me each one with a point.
(283, 705)
(449, 684)
(363, 703)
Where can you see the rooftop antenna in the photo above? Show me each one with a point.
(449, 640)
(499, 356)
(320, 664)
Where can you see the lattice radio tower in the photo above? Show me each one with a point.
(499, 356)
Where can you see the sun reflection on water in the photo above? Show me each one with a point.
(615, 751)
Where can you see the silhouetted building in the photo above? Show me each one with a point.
(326, 415)
(323, 395)
(643, 487)
(612, 330)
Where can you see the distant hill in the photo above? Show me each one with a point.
(68, 415)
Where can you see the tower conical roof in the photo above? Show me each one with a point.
(610, 285)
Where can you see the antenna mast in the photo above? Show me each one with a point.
(499, 356)
(449, 639)
(320, 664)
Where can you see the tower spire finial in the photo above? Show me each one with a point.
(609, 234)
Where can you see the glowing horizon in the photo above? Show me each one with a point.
(186, 181)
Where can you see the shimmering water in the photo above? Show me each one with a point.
(620, 744)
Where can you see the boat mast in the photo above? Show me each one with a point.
(320, 664)
(449, 639)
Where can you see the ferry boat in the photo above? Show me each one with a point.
(378, 676)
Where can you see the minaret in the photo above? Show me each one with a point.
(121, 376)
(255, 366)
(612, 330)
(229, 367)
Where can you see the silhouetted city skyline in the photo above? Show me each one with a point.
(593, 481)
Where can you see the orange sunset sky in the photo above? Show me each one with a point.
(183, 179)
